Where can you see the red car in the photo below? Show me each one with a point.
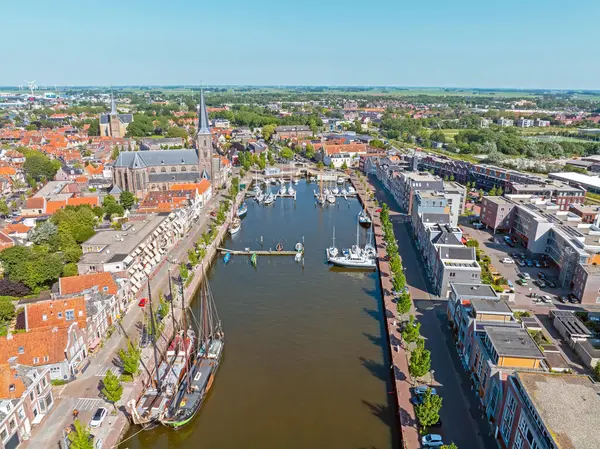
(142, 302)
(378, 210)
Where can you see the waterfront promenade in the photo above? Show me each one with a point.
(399, 355)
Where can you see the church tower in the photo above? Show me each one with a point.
(114, 124)
(204, 146)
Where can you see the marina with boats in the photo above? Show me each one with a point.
(268, 312)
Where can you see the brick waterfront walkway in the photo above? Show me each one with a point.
(399, 355)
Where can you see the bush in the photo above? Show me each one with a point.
(12, 288)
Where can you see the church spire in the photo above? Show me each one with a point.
(113, 104)
(203, 123)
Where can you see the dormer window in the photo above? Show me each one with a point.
(21, 350)
(11, 387)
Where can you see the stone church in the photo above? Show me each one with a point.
(114, 124)
(141, 171)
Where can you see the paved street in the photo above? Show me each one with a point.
(460, 411)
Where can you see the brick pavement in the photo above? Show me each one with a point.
(399, 356)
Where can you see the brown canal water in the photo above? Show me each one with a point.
(306, 361)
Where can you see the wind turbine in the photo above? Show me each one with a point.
(32, 86)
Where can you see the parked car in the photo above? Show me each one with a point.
(524, 275)
(422, 389)
(529, 263)
(540, 283)
(562, 299)
(514, 255)
(143, 302)
(521, 263)
(478, 225)
(510, 243)
(572, 298)
(545, 264)
(98, 417)
(538, 264)
(545, 298)
(522, 281)
(550, 283)
(541, 275)
(432, 440)
(508, 260)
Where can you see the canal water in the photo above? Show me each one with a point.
(305, 362)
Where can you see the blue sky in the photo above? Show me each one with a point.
(461, 43)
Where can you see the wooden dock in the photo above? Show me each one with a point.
(234, 252)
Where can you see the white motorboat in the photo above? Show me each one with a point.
(298, 257)
(340, 180)
(321, 200)
(353, 258)
(330, 198)
(291, 190)
(351, 190)
(364, 219)
(344, 192)
(335, 191)
(282, 190)
(296, 181)
(312, 179)
(236, 226)
(259, 197)
(325, 191)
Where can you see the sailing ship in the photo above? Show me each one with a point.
(353, 257)
(167, 375)
(269, 199)
(332, 251)
(194, 388)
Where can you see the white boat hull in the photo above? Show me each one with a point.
(341, 261)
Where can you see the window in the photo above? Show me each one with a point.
(173, 169)
(31, 396)
(38, 390)
(44, 382)
(4, 434)
(523, 424)
(12, 425)
(44, 317)
(36, 360)
(11, 387)
(105, 288)
(55, 369)
(80, 313)
(48, 400)
(508, 417)
(21, 350)
(21, 413)
(59, 315)
(70, 315)
(46, 358)
(452, 275)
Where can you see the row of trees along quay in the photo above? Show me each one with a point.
(427, 411)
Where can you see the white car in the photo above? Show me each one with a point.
(432, 440)
(98, 417)
(507, 260)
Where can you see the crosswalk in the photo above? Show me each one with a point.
(102, 371)
(88, 403)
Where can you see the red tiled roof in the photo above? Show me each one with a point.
(201, 187)
(349, 148)
(35, 202)
(16, 228)
(53, 206)
(77, 284)
(51, 313)
(79, 201)
(10, 378)
(47, 345)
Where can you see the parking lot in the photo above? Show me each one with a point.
(498, 250)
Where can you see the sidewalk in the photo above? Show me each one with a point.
(399, 356)
(84, 392)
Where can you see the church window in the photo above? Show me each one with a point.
(173, 169)
(163, 170)
(194, 168)
(183, 169)
(152, 170)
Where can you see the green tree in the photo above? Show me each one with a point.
(320, 165)
(183, 271)
(344, 166)
(480, 194)
(309, 152)
(267, 131)
(112, 389)
(472, 243)
(271, 159)
(492, 192)
(428, 411)
(220, 217)
(499, 191)
(115, 153)
(80, 437)
(127, 199)
(399, 281)
(193, 257)
(286, 153)
(70, 269)
(376, 143)
(449, 446)
(77, 221)
(420, 360)
(94, 129)
(4, 209)
(404, 303)
(7, 311)
(142, 126)
(412, 330)
(437, 136)
(43, 233)
(38, 166)
(597, 371)
(261, 161)
(130, 358)
(176, 131)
